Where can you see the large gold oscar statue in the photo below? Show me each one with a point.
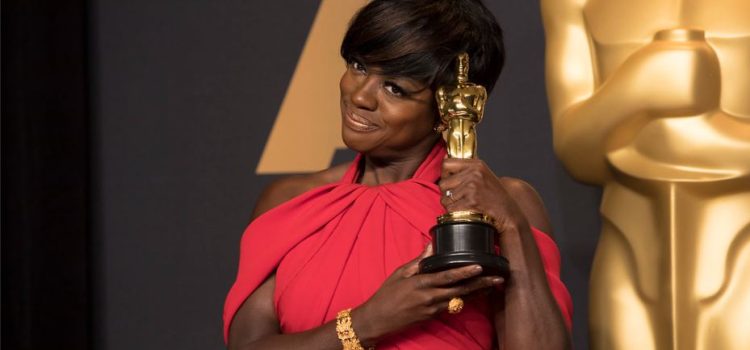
(651, 100)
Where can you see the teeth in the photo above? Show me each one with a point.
(358, 120)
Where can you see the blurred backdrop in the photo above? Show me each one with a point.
(131, 138)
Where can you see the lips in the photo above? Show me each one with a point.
(358, 123)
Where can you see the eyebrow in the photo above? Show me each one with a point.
(399, 80)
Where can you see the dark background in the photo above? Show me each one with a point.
(130, 135)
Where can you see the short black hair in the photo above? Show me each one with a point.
(421, 39)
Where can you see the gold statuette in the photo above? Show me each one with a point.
(461, 107)
(463, 237)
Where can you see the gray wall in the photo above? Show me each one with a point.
(178, 131)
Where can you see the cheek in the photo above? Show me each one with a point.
(343, 84)
(425, 116)
(348, 83)
(412, 122)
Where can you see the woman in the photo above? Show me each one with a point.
(350, 237)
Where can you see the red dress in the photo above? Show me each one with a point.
(333, 246)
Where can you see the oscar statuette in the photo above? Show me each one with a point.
(463, 238)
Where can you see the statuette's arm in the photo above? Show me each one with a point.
(570, 79)
(660, 79)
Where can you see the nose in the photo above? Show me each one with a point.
(364, 95)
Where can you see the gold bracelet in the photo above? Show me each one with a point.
(345, 332)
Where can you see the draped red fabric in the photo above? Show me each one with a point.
(333, 246)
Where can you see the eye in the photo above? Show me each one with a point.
(357, 66)
(394, 89)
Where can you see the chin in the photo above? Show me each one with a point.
(355, 141)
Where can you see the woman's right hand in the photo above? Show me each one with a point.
(408, 297)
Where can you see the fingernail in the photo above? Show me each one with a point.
(477, 268)
(497, 280)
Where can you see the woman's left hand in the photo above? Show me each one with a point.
(471, 185)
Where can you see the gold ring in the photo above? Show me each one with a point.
(455, 305)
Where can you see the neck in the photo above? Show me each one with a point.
(379, 170)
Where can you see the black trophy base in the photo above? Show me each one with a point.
(458, 244)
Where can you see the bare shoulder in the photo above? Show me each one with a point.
(529, 201)
(286, 188)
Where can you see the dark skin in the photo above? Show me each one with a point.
(390, 120)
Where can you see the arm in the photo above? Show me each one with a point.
(534, 318)
(404, 299)
(255, 326)
(570, 79)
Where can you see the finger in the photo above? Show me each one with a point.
(478, 294)
(440, 307)
(459, 181)
(470, 286)
(456, 165)
(449, 277)
(467, 174)
(455, 195)
(426, 252)
(412, 268)
(450, 183)
(464, 198)
(449, 201)
(458, 204)
(457, 187)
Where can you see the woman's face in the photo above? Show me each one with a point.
(385, 117)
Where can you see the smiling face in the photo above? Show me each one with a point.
(386, 117)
